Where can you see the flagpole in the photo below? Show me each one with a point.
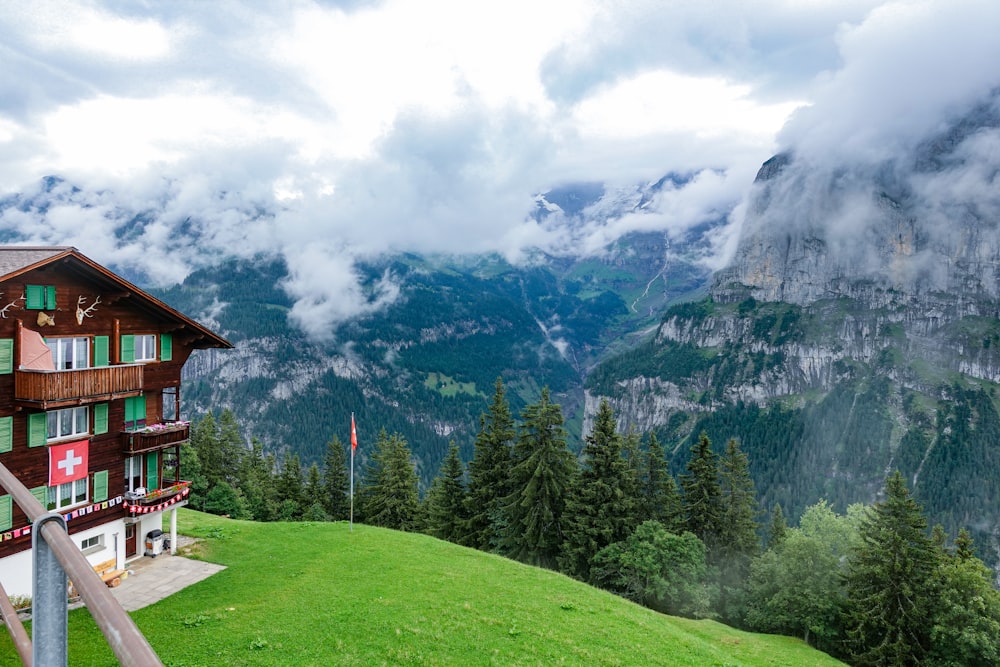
(354, 440)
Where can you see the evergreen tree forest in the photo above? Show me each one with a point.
(873, 585)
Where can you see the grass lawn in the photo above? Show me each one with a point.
(318, 594)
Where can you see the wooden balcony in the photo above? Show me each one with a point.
(169, 495)
(152, 438)
(57, 389)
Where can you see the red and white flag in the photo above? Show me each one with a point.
(68, 462)
(354, 434)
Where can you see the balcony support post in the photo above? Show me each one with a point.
(173, 531)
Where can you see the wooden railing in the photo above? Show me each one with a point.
(158, 496)
(51, 389)
(155, 437)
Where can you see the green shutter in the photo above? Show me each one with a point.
(6, 513)
(50, 297)
(100, 418)
(152, 471)
(35, 297)
(100, 486)
(101, 357)
(6, 434)
(128, 349)
(166, 347)
(41, 494)
(38, 429)
(6, 355)
(140, 408)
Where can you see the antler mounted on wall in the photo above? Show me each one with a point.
(3, 311)
(81, 313)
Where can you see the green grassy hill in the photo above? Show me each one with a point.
(317, 594)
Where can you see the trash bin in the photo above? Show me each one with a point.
(154, 543)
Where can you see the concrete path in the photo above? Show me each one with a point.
(152, 579)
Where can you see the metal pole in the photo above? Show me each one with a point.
(49, 613)
(22, 642)
(124, 638)
(352, 482)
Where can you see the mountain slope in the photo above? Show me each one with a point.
(853, 333)
(374, 596)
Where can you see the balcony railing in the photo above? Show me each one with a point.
(157, 436)
(168, 495)
(54, 389)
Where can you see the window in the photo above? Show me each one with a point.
(133, 472)
(145, 348)
(40, 297)
(135, 413)
(92, 544)
(68, 422)
(69, 353)
(68, 494)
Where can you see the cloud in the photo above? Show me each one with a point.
(908, 69)
(347, 130)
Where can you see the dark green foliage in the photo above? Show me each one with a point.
(391, 499)
(737, 533)
(890, 582)
(223, 499)
(541, 474)
(290, 491)
(777, 528)
(600, 506)
(258, 484)
(701, 494)
(446, 500)
(966, 628)
(336, 481)
(489, 474)
(657, 569)
(659, 499)
(796, 587)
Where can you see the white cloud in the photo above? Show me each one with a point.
(331, 135)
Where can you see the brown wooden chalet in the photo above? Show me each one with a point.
(90, 374)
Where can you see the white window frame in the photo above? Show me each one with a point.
(69, 494)
(70, 353)
(133, 465)
(92, 544)
(145, 347)
(74, 421)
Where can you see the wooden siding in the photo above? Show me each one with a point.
(48, 390)
(119, 312)
(171, 435)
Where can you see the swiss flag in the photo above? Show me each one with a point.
(68, 462)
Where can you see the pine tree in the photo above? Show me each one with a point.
(231, 447)
(889, 582)
(778, 528)
(257, 481)
(659, 499)
(489, 475)
(542, 471)
(599, 506)
(391, 499)
(205, 440)
(336, 483)
(700, 502)
(289, 490)
(737, 542)
(446, 501)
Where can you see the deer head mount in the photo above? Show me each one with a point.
(81, 313)
(3, 311)
(44, 320)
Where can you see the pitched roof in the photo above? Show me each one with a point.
(16, 260)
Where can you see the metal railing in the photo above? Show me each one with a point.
(54, 556)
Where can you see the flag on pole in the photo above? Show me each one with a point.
(354, 435)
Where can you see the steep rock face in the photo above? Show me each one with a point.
(856, 330)
(922, 225)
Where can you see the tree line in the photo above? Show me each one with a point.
(873, 586)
